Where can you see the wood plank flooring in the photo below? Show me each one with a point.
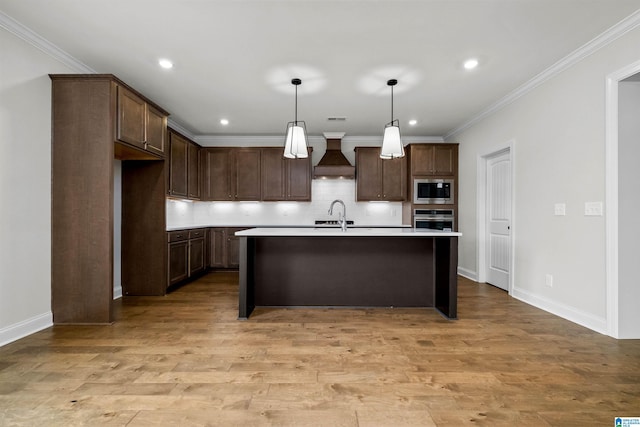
(185, 360)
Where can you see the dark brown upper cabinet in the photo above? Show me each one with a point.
(139, 123)
(193, 171)
(377, 179)
(184, 167)
(232, 174)
(285, 179)
(434, 159)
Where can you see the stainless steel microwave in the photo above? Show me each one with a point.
(433, 191)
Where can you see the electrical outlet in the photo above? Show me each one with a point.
(560, 209)
(593, 208)
(548, 280)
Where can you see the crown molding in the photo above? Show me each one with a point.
(181, 129)
(621, 28)
(36, 40)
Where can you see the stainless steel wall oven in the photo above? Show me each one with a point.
(434, 219)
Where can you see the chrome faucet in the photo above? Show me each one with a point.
(342, 219)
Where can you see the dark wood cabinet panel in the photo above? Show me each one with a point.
(143, 228)
(273, 175)
(156, 130)
(186, 254)
(216, 175)
(368, 174)
(217, 247)
(379, 179)
(82, 221)
(232, 174)
(298, 174)
(247, 174)
(178, 262)
(254, 173)
(434, 159)
(193, 170)
(196, 256)
(394, 179)
(284, 179)
(139, 123)
(178, 165)
(223, 247)
(131, 118)
(184, 167)
(444, 159)
(233, 248)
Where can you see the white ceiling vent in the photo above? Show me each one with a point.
(336, 119)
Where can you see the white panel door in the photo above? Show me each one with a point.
(499, 219)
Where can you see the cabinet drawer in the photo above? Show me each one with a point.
(176, 236)
(194, 234)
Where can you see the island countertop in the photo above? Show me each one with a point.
(337, 232)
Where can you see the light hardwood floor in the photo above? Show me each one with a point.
(185, 360)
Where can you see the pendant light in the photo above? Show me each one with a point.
(295, 143)
(391, 143)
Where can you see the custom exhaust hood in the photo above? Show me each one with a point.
(334, 164)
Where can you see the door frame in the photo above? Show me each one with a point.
(481, 213)
(611, 194)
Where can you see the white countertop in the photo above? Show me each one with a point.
(194, 226)
(351, 232)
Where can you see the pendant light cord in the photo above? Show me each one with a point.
(392, 103)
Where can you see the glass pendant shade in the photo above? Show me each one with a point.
(391, 142)
(295, 143)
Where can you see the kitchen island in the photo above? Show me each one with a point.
(359, 267)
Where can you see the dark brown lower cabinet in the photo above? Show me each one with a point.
(186, 255)
(196, 252)
(224, 247)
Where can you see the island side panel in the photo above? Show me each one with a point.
(344, 271)
(246, 288)
(446, 276)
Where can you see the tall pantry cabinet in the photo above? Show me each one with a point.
(95, 119)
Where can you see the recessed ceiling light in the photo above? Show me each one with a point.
(165, 63)
(224, 122)
(413, 122)
(470, 64)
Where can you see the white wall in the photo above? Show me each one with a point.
(559, 134)
(628, 208)
(25, 187)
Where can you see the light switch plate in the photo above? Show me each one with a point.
(593, 209)
(560, 209)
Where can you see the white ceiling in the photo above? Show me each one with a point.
(235, 59)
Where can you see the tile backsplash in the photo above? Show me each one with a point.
(186, 214)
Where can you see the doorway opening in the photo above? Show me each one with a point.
(622, 201)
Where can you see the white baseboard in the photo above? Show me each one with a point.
(588, 320)
(471, 275)
(26, 327)
(117, 292)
